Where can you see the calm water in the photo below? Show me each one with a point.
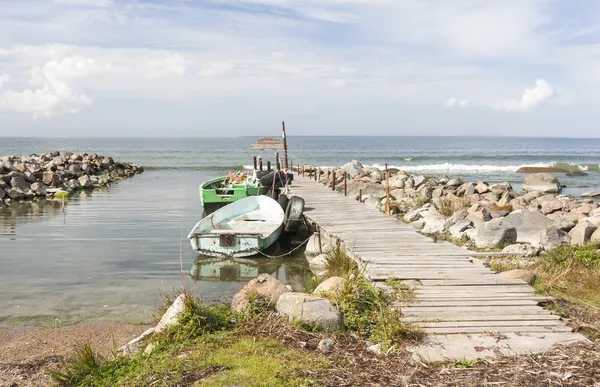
(107, 255)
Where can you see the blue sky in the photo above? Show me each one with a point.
(334, 67)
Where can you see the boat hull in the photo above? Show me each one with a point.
(214, 194)
(241, 229)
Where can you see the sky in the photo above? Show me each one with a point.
(327, 67)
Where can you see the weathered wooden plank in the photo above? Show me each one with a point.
(468, 303)
(480, 297)
(470, 317)
(500, 329)
(521, 323)
(474, 282)
(449, 309)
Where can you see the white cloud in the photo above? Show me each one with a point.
(457, 103)
(52, 95)
(531, 98)
(4, 78)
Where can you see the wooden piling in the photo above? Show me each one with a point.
(360, 195)
(254, 162)
(333, 182)
(346, 184)
(260, 164)
(319, 239)
(269, 165)
(285, 148)
(277, 163)
(387, 191)
(318, 178)
(291, 166)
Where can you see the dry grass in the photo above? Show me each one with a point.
(507, 207)
(448, 206)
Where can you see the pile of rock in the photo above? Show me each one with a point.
(58, 173)
(490, 215)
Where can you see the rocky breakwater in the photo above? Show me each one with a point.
(487, 216)
(58, 174)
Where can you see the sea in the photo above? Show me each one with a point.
(113, 254)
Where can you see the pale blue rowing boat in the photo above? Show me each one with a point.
(240, 229)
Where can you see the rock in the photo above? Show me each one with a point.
(543, 182)
(398, 181)
(418, 224)
(466, 189)
(454, 182)
(595, 236)
(318, 265)
(434, 222)
(523, 250)
(482, 188)
(172, 314)
(375, 348)
(2, 194)
(528, 224)
(326, 346)
(135, 346)
(51, 179)
(15, 193)
(315, 311)
(418, 181)
(590, 195)
(501, 188)
(458, 230)
(525, 275)
(330, 285)
(20, 183)
(264, 286)
(413, 215)
(72, 185)
(150, 348)
(495, 234)
(85, 181)
(455, 218)
(353, 168)
(39, 189)
(581, 233)
(373, 202)
(550, 206)
(479, 216)
(537, 170)
(552, 237)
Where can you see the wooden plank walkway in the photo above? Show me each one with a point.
(459, 294)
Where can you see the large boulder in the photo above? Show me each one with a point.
(264, 286)
(315, 311)
(458, 231)
(20, 183)
(354, 168)
(528, 224)
(455, 218)
(318, 265)
(15, 193)
(552, 237)
(495, 234)
(398, 181)
(434, 222)
(543, 182)
(582, 232)
(331, 285)
(312, 246)
(136, 345)
(39, 189)
(550, 206)
(2, 194)
(595, 236)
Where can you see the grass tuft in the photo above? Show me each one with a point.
(448, 206)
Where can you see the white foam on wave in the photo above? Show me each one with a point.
(464, 168)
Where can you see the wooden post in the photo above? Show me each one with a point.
(318, 178)
(285, 150)
(387, 191)
(277, 164)
(254, 162)
(291, 166)
(303, 168)
(346, 184)
(269, 165)
(360, 195)
(260, 164)
(319, 239)
(333, 182)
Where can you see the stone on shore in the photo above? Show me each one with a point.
(458, 231)
(582, 232)
(521, 249)
(314, 311)
(595, 236)
(172, 314)
(354, 168)
(312, 246)
(525, 275)
(552, 237)
(528, 224)
(543, 182)
(326, 346)
(332, 285)
(264, 286)
(135, 346)
(495, 234)
(318, 265)
(590, 195)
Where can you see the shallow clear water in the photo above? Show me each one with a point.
(107, 255)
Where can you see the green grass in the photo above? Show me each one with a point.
(339, 264)
(448, 206)
(401, 292)
(464, 364)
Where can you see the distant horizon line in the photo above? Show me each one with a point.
(301, 136)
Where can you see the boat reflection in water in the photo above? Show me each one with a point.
(289, 271)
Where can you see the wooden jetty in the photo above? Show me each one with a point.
(459, 293)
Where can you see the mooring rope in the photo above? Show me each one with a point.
(288, 253)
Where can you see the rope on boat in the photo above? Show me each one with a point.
(289, 252)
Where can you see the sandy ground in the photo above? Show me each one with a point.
(25, 355)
